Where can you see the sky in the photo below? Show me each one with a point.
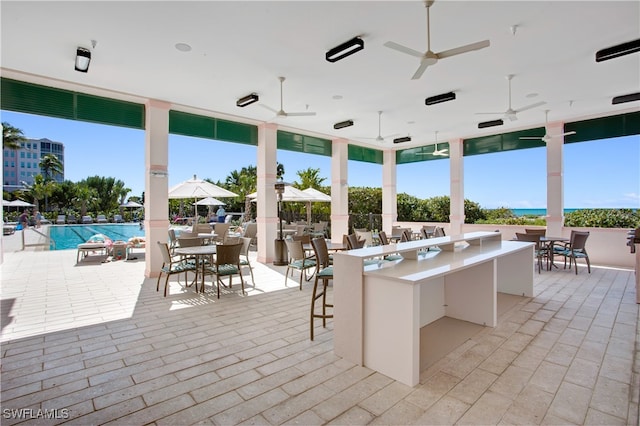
(598, 174)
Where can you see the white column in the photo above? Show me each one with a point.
(389, 191)
(267, 208)
(339, 189)
(555, 180)
(156, 200)
(456, 173)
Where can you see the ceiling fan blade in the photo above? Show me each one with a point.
(489, 113)
(531, 137)
(422, 68)
(269, 108)
(300, 114)
(404, 49)
(568, 133)
(537, 104)
(464, 49)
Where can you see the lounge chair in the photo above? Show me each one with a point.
(87, 219)
(61, 219)
(101, 219)
(118, 218)
(72, 219)
(101, 248)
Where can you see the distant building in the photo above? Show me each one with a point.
(22, 165)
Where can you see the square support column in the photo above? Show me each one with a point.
(555, 180)
(156, 200)
(389, 191)
(339, 189)
(456, 173)
(266, 217)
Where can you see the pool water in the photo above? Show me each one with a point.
(69, 236)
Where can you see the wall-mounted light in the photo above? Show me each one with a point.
(343, 124)
(83, 58)
(402, 139)
(159, 173)
(440, 98)
(345, 49)
(618, 50)
(625, 98)
(247, 100)
(491, 123)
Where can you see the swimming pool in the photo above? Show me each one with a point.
(69, 236)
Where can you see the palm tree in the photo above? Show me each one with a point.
(84, 196)
(310, 178)
(40, 189)
(51, 166)
(12, 137)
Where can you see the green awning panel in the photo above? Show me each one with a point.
(603, 128)
(504, 142)
(303, 143)
(43, 100)
(421, 153)
(200, 126)
(367, 155)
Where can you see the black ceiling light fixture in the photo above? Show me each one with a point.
(625, 98)
(247, 100)
(440, 98)
(491, 123)
(83, 58)
(402, 139)
(343, 124)
(345, 49)
(618, 50)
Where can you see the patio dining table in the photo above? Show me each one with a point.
(549, 242)
(201, 253)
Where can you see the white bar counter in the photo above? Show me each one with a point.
(379, 309)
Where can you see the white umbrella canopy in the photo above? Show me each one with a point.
(131, 204)
(198, 188)
(19, 203)
(317, 195)
(290, 194)
(5, 203)
(210, 201)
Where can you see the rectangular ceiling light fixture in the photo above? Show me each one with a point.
(343, 124)
(402, 139)
(619, 50)
(440, 98)
(491, 123)
(247, 100)
(345, 49)
(625, 98)
(83, 58)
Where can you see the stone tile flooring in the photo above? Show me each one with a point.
(96, 344)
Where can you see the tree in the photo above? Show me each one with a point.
(51, 166)
(41, 188)
(309, 178)
(84, 196)
(12, 137)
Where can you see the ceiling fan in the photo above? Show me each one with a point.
(510, 113)
(281, 112)
(380, 138)
(547, 137)
(436, 152)
(429, 57)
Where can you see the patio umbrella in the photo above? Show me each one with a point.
(316, 196)
(131, 204)
(5, 203)
(198, 188)
(209, 201)
(19, 203)
(290, 194)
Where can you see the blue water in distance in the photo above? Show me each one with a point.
(69, 236)
(543, 212)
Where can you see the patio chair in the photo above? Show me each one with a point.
(87, 219)
(298, 260)
(575, 249)
(540, 251)
(72, 219)
(118, 218)
(536, 231)
(221, 230)
(171, 266)
(384, 241)
(427, 231)
(366, 236)
(227, 263)
(324, 272)
(101, 247)
(244, 257)
(101, 219)
(61, 220)
(353, 242)
(319, 229)
(251, 231)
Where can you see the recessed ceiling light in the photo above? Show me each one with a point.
(337, 97)
(183, 47)
(531, 95)
(411, 122)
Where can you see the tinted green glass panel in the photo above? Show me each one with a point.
(236, 132)
(368, 155)
(603, 128)
(503, 142)
(35, 99)
(109, 111)
(303, 143)
(182, 123)
(422, 153)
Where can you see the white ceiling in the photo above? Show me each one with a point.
(241, 47)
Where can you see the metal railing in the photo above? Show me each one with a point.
(47, 244)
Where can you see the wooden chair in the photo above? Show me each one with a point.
(227, 263)
(298, 260)
(575, 249)
(324, 272)
(171, 266)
